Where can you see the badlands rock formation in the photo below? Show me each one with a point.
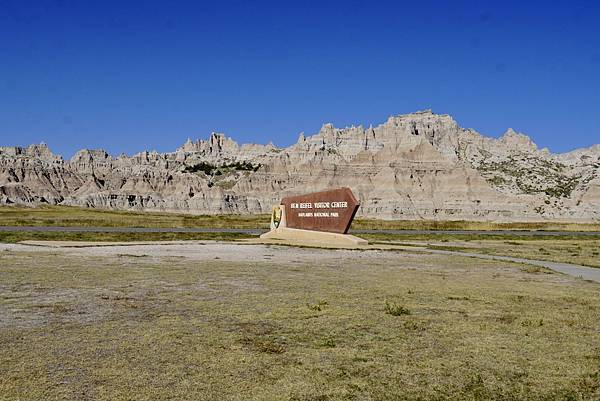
(414, 166)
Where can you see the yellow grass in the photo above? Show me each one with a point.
(139, 327)
(85, 217)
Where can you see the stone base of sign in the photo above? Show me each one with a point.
(314, 238)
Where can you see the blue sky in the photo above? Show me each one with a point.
(127, 76)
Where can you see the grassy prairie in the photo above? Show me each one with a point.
(83, 217)
(582, 250)
(565, 248)
(17, 236)
(471, 225)
(293, 325)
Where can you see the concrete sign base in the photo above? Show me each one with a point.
(315, 238)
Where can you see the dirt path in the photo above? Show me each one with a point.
(237, 252)
(587, 273)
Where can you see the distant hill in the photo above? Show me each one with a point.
(414, 166)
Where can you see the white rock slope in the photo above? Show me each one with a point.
(414, 166)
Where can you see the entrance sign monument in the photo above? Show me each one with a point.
(320, 217)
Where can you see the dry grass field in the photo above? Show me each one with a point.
(581, 250)
(223, 321)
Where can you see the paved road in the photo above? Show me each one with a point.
(255, 231)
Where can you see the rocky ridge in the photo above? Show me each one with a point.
(414, 166)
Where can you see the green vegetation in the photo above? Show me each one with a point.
(470, 225)
(18, 236)
(119, 327)
(395, 309)
(317, 306)
(564, 187)
(543, 176)
(83, 217)
(582, 250)
(496, 180)
(242, 166)
(527, 188)
(225, 175)
(213, 169)
(564, 248)
(206, 168)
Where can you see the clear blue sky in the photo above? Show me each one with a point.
(134, 75)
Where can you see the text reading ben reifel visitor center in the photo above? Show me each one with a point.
(319, 205)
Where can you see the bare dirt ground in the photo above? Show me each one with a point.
(204, 251)
(211, 320)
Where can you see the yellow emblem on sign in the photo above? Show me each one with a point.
(275, 217)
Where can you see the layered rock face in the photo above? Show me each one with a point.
(414, 166)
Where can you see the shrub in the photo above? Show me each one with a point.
(206, 168)
(496, 181)
(317, 307)
(242, 166)
(328, 342)
(395, 309)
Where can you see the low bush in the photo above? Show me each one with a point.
(394, 309)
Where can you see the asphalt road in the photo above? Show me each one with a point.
(255, 231)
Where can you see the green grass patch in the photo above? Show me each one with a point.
(394, 309)
(18, 236)
(85, 217)
(66, 216)
(373, 224)
(581, 250)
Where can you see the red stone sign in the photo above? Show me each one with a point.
(330, 211)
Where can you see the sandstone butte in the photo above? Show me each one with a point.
(414, 166)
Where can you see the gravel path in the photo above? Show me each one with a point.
(587, 273)
(208, 250)
(248, 253)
